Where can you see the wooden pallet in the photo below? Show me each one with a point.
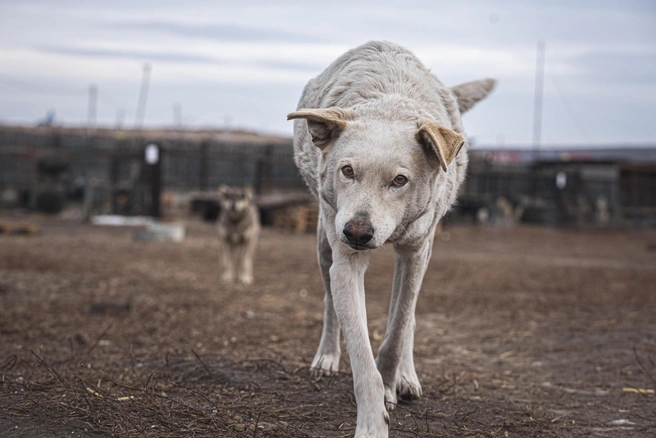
(18, 228)
(298, 219)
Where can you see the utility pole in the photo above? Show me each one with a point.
(93, 107)
(177, 115)
(120, 116)
(537, 104)
(143, 97)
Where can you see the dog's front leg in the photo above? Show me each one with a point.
(347, 284)
(246, 263)
(326, 360)
(395, 358)
(226, 260)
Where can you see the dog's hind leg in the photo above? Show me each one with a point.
(407, 382)
(326, 360)
(395, 361)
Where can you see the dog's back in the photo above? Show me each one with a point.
(371, 71)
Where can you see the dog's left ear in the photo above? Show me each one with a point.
(248, 191)
(470, 93)
(324, 124)
(441, 141)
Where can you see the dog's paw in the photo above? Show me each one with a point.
(390, 398)
(374, 429)
(407, 385)
(246, 279)
(325, 365)
(227, 277)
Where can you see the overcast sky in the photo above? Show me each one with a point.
(244, 63)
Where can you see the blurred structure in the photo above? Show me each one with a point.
(48, 120)
(110, 166)
(106, 172)
(573, 187)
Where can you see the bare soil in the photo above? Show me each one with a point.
(520, 333)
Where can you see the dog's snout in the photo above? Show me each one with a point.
(358, 232)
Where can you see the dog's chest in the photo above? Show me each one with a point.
(236, 238)
(236, 231)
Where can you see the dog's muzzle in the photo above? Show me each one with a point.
(358, 233)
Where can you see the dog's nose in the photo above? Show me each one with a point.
(358, 232)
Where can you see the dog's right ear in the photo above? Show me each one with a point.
(248, 192)
(324, 124)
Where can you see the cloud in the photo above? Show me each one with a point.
(217, 31)
(251, 59)
(128, 54)
(177, 57)
(634, 68)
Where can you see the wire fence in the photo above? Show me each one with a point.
(553, 192)
(187, 164)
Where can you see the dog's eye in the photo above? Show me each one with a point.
(347, 171)
(399, 181)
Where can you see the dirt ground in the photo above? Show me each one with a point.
(520, 333)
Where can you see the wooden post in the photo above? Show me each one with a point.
(113, 178)
(153, 159)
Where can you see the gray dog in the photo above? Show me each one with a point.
(379, 141)
(239, 229)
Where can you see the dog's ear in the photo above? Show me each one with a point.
(222, 189)
(441, 143)
(324, 124)
(469, 93)
(248, 192)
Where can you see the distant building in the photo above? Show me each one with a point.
(564, 187)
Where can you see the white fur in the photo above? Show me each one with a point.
(380, 95)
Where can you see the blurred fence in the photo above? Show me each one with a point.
(617, 189)
(70, 160)
(637, 191)
(187, 164)
(560, 193)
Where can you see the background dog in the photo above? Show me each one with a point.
(379, 142)
(239, 229)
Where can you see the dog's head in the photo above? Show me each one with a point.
(235, 200)
(379, 162)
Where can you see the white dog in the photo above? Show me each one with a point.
(379, 141)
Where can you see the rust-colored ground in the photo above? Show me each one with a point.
(520, 333)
